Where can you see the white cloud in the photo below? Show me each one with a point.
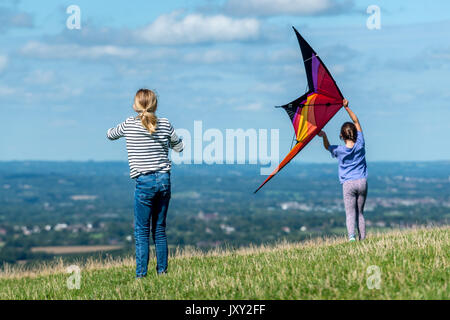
(169, 29)
(403, 97)
(64, 123)
(250, 107)
(3, 62)
(6, 91)
(279, 7)
(268, 88)
(40, 77)
(337, 69)
(14, 19)
(210, 57)
(69, 51)
(442, 54)
(285, 55)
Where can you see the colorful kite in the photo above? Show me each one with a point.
(311, 112)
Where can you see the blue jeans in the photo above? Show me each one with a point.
(151, 201)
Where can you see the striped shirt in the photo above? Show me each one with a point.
(147, 152)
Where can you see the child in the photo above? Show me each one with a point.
(148, 141)
(352, 172)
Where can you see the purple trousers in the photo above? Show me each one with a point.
(355, 193)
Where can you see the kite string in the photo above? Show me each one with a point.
(314, 55)
(292, 143)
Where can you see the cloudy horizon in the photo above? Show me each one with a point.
(226, 63)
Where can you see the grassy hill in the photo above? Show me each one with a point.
(413, 264)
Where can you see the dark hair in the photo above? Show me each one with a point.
(348, 131)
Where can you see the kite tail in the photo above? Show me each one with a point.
(268, 178)
(294, 151)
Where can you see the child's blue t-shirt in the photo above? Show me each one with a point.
(352, 161)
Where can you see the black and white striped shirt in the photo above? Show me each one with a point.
(147, 152)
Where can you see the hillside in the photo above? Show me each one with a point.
(71, 206)
(413, 264)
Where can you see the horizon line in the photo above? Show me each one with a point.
(238, 164)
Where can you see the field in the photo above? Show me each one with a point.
(74, 249)
(411, 264)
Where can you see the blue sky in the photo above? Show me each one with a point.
(226, 63)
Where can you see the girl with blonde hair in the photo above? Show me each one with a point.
(148, 139)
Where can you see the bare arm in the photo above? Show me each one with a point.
(326, 143)
(352, 115)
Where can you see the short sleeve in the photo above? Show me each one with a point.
(333, 150)
(360, 139)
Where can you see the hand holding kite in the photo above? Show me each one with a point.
(311, 112)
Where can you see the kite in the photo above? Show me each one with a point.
(311, 112)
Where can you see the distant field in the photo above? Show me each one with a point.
(74, 249)
(408, 264)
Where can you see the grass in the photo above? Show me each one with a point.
(74, 249)
(414, 264)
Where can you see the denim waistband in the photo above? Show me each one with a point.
(148, 173)
(154, 173)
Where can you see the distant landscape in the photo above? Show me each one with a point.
(80, 209)
(320, 268)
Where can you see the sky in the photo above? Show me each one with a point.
(226, 63)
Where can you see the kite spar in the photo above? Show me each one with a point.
(310, 112)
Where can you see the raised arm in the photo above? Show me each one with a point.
(352, 115)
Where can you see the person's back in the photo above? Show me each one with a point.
(352, 172)
(148, 141)
(147, 152)
(352, 161)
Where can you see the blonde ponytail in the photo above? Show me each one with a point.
(146, 103)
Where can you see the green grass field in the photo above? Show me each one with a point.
(413, 264)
